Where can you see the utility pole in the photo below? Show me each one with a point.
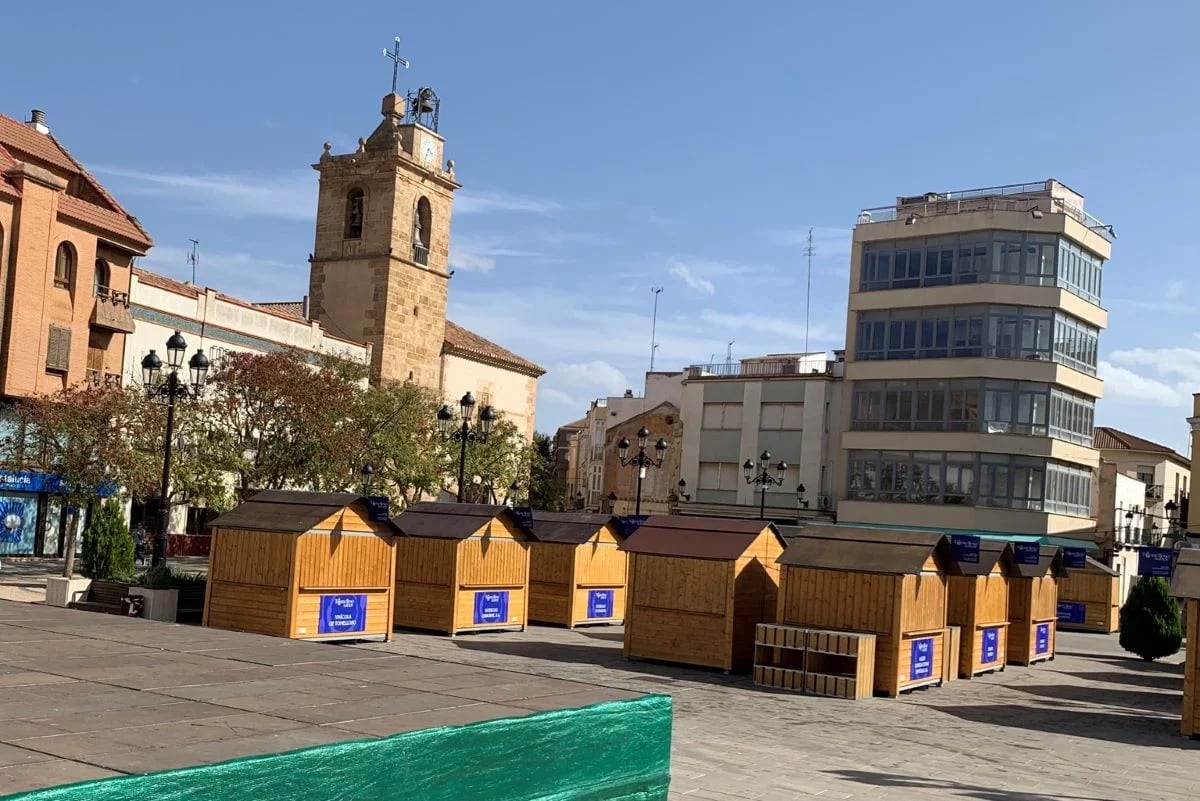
(808, 251)
(656, 290)
(194, 258)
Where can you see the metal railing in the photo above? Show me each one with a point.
(99, 378)
(112, 296)
(1154, 491)
(962, 203)
(751, 369)
(420, 254)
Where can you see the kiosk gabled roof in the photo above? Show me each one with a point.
(1049, 563)
(717, 538)
(990, 552)
(450, 521)
(572, 528)
(285, 511)
(865, 550)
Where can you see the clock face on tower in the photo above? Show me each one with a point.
(428, 152)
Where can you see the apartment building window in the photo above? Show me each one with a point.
(719, 476)
(722, 416)
(781, 417)
(58, 349)
(1000, 257)
(64, 265)
(1145, 474)
(987, 479)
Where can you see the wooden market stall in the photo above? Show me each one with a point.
(1033, 607)
(698, 587)
(885, 582)
(576, 572)
(1185, 584)
(305, 565)
(977, 591)
(1090, 599)
(461, 567)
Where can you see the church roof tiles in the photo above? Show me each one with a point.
(459, 341)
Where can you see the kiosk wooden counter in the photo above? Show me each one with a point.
(1033, 607)
(698, 587)
(577, 574)
(887, 582)
(978, 603)
(461, 567)
(1090, 599)
(1185, 584)
(305, 565)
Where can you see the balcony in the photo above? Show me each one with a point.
(420, 254)
(99, 378)
(1154, 492)
(756, 369)
(111, 311)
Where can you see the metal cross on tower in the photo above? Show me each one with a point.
(394, 55)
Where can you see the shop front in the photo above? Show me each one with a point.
(33, 519)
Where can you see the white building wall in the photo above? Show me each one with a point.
(510, 393)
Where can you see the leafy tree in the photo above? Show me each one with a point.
(107, 545)
(499, 462)
(546, 489)
(1150, 625)
(395, 423)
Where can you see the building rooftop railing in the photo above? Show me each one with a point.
(752, 369)
(964, 202)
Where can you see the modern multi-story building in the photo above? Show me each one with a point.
(971, 362)
(784, 404)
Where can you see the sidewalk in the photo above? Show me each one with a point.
(23, 579)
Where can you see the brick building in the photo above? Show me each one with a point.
(66, 252)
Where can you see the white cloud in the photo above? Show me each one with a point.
(791, 330)
(463, 258)
(1174, 290)
(557, 396)
(597, 374)
(684, 273)
(1122, 385)
(238, 274)
(286, 196)
(482, 202)
(1183, 363)
(470, 254)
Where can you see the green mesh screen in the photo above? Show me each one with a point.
(615, 751)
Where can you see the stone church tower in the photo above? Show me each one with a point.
(379, 267)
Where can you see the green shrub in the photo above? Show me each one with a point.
(1150, 625)
(107, 545)
(165, 577)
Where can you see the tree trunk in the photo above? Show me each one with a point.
(69, 545)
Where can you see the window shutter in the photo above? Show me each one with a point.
(58, 349)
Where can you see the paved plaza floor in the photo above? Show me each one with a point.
(84, 695)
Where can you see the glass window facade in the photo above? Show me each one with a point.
(998, 257)
(972, 404)
(985, 479)
(1001, 332)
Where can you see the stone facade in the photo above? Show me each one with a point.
(660, 483)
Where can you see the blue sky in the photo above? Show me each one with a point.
(607, 148)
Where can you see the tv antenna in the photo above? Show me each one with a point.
(654, 325)
(809, 250)
(194, 258)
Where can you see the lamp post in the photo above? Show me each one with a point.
(465, 433)
(683, 493)
(764, 479)
(1128, 525)
(641, 460)
(1170, 508)
(368, 472)
(167, 389)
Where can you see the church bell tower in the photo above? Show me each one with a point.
(379, 267)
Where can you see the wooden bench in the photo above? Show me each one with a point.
(103, 596)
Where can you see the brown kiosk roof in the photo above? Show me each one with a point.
(1185, 582)
(449, 521)
(572, 528)
(864, 550)
(990, 552)
(1049, 563)
(285, 511)
(696, 537)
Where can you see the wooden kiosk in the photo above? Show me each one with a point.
(576, 573)
(461, 567)
(305, 565)
(1185, 584)
(1033, 607)
(698, 587)
(978, 602)
(1090, 599)
(889, 583)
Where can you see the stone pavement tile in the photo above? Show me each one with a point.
(336, 688)
(393, 671)
(147, 760)
(283, 703)
(31, 776)
(100, 698)
(348, 711)
(501, 693)
(170, 711)
(458, 716)
(573, 700)
(19, 677)
(477, 677)
(68, 649)
(13, 755)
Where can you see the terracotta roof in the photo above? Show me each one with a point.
(20, 142)
(459, 340)
(293, 308)
(1106, 438)
(162, 282)
(6, 186)
(696, 537)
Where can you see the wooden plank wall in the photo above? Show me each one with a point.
(424, 596)
(344, 560)
(1189, 719)
(678, 611)
(248, 581)
(1031, 601)
(1099, 592)
(248, 607)
(599, 565)
(923, 606)
(755, 595)
(976, 603)
(307, 613)
(495, 557)
(551, 568)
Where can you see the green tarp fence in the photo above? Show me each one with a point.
(614, 751)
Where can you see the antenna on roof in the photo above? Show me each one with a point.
(655, 290)
(194, 258)
(808, 251)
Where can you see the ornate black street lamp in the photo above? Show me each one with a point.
(167, 389)
(465, 433)
(641, 460)
(764, 479)
(368, 473)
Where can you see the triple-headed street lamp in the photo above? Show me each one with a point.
(641, 460)
(465, 433)
(764, 479)
(167, 389)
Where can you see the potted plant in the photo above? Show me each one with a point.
(161, 595)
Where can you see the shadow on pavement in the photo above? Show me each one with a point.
(1158, 681)
(1130, 663)
(963, 789)
(1146, 728)
(1167, 703)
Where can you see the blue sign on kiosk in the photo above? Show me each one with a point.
(600, 604)
(630, 523)
(1041, 640)
(491, 607)
(1074, 557)
(991, 645)
(342, 614)
(965, 548)
(378, 509)
(1071, 612)
(1155, 562)
(524, 515)
(920, 664)
(1026, 553)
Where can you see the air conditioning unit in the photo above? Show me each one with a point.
(825, 501)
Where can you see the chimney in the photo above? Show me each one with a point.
(304, 307)
(629, 393)
(37, 121)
